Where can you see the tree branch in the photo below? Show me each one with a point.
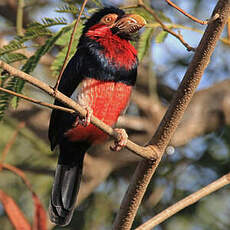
(10, 143)
(189, 15)
(50, 106)
(191, 199)
(19, 22)
(144, 152)
(166, 129)
(164, 27)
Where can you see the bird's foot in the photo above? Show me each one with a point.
(86, 120)
(121, 140)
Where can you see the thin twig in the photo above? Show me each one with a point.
(178, 26)
(173, 116)
(187, 14)
(129, 7)
(10, 143)
(19, 21)
(51, 106)
(69, 46)
(164, 27)
(191, 199)
(144, 152)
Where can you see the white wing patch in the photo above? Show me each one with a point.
(80, 96)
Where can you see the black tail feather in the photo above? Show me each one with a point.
(64, 193)
(66, 186)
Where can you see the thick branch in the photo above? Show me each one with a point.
(141, 151)
(166, 129)
(191, 199)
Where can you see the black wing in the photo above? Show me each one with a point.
(70, 80)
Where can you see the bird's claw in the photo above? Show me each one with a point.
(86, 120)
(121, 140)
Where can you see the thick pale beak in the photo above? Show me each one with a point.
(129, 24)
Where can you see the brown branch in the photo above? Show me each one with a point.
(191, 199)
(69, 46)
(51, 106)
(10, 143)
(144, 152)
(164, 27)
(8, 9)
(19, 21)
(188, 15)
(169, 123)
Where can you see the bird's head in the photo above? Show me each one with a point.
(105, 43)
(115, 21)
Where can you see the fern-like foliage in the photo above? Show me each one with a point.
(12, 46)
(12, 57)
(72, 9)
(62, 41)
(33, 60)
(6, 82)
(145, 42)
(11, 53)
(47, 22)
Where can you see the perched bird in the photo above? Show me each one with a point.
(99, 77)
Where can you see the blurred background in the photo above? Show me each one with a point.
(199, 152)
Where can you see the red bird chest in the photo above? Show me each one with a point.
(107, 100)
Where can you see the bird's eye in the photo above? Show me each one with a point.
(109, 19)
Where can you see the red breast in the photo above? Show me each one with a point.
(107, 100)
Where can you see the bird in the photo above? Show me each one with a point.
(100, 77)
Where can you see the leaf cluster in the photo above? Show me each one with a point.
(14, 52)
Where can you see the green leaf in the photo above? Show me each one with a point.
(16, 84)
(33, 60)
(64, 38)
(97, 3)
(144, 42)
(6, 98)
(161, 36)
(68, 9)
(63, 41)
(12, 46)
(47, 22)
(12, 57)
(33, 31)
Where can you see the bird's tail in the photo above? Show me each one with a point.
(65, 187)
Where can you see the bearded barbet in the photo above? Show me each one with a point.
(99, 77)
